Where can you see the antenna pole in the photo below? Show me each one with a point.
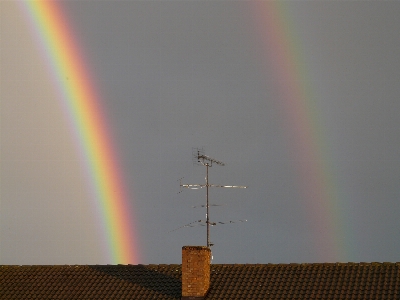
(208, 219)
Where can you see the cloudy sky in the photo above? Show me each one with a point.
(300, 100)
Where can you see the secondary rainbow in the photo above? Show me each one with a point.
(305, 129)
(80, 101)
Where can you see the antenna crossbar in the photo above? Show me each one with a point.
(196, 186)
(203, 223)
(204, 159)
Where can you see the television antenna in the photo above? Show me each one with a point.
(200, 158)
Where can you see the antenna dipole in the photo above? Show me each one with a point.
(207, 162)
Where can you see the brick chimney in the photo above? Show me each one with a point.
(195, 272)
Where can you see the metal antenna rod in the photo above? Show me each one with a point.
(207, 162)
(208, 219)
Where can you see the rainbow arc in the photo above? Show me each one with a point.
(81, 104)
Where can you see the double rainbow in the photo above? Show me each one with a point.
(310, 150)
(80, 102)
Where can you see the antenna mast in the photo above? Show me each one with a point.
(198, 154)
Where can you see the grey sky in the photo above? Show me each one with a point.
(180, 74)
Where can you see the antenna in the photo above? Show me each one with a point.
(200, 158)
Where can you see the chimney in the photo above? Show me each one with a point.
(195, 272)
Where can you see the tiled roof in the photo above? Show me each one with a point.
(261, 281)
(306, 281)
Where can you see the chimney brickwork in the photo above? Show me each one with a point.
(195, 271)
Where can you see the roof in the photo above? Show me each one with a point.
(228, 281)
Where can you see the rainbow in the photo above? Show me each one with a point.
(80, 102)
(304, 127)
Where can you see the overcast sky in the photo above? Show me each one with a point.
(174, 75)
